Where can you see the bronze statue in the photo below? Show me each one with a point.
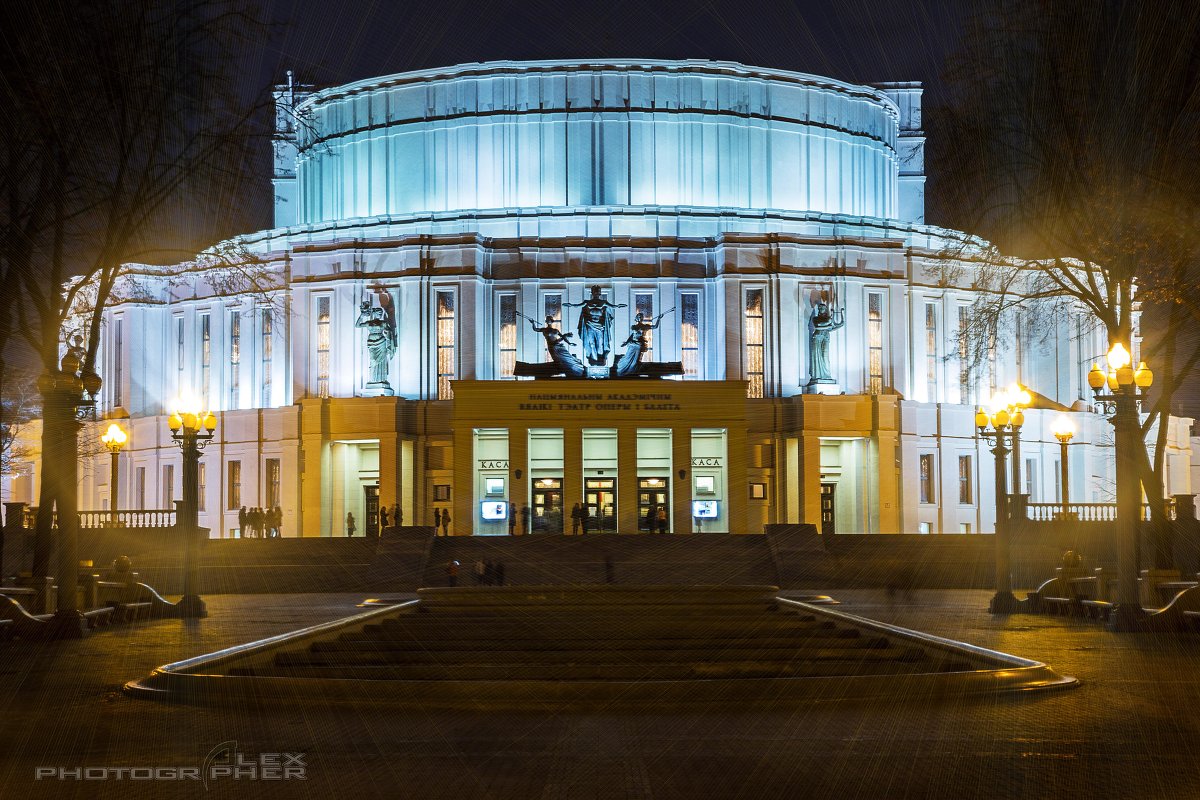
(381, 339)
(821, 324)
(595, 327)
(558, 343)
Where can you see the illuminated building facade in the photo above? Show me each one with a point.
(444, 208)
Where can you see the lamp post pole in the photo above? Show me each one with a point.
(1064, 430)
(192, 431)
(1015, 503)
(114, 439)
(1003, 601)
(1118, 393)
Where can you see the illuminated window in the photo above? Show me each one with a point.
(445, 344)
(201, 485)
(643, 303)
(117, 356)
(267, 356)
(508, 336)
(323, 347)
(874, 343)
(927, 478)
(964, 372)
(140, 487)
(205, 358)
(754, 342)
(553, 305)
(689, 335)
(272, 482)
(235, 357)
(931, 352)
(965, 485)
(179, 355)
(1031, 482)
(234, 485)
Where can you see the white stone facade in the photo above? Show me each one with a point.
(736, 196)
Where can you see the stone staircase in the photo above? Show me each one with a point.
(643, 560)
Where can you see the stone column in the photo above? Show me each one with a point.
(737, 488)
(809, 478)
(627, 510)
(518, 473)
(463, 499)
(681, 488)
(572, 472)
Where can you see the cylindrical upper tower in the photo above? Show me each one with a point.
(569, 134)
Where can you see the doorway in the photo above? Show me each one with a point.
(828, 515)
(547, 506)
(652, 495)
(600, 505)
(371, 507)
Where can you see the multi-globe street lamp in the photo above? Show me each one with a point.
(1118, 392)
(192, 428)
(114, 439)
(1064, 430)
(1001, 424)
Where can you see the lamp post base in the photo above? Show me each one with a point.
(191, 606)
(66, 624)
(1004, 603)
(1128, 618)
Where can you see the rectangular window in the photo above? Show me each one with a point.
(931, 352)
(117, 356)
(445, 344)
(179, 355)
(234, 484)
(272, 482)
(754, 342)
(643, 303)
(508, 336)
(140, 487)
(553, 305)
(964, 372)
(1031, 483)
(202, 485)
(168, 486)
(323, 347)
(965, 481)
(928, 475)
(689, 335)
(874, 343)
(964, 527)
(235, 358)
(1058, 481)
(205, 359)
(267, 356)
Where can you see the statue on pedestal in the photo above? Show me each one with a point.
(636, 345)
(380, 321)
(558, 343)
(821, 324)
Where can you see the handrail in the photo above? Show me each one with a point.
(1087, 512)
(129, 518)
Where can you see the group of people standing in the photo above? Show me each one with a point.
(441, 519)
(396, 519)
(261, 523)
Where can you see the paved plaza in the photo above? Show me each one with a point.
(1130, 729)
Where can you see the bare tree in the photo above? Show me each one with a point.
(122, 117)
(1068, 137)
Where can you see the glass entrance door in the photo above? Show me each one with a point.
(547, 506)
(652, 495)
(371, 508)
(600, 504)
(828, 519)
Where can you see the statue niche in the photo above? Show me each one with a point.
(821, 323)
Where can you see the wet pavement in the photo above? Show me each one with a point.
(1131, 729)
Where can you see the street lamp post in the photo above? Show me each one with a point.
(1005, 420)
(1018, 398)
(1118, 394)
(114, 439)
(1063, 430)
(192, 428)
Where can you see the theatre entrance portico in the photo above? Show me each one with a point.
(602, 444)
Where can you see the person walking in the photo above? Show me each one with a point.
(525, 515)
(479, 572)
(662, 520)
(452, 573)
(649, 519)
(397, 515)
(243, 519)
(446, 522)
(277, 521)
(437, 520)
(383, 518)
(512, 519)
(576, 519)
(349, 524)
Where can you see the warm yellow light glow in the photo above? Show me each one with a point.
(210, 422)
(187, 410)
(175, 422)
(1000, 418)
(981, 418)
(1062, 427)
(1144, 378)
(1095, 377)
(1018, 417)
(1118, 357)
(115, 437)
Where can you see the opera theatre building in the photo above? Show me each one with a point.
(692, 286)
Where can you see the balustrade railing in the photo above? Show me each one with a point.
(1085, 512)
(131, 518)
